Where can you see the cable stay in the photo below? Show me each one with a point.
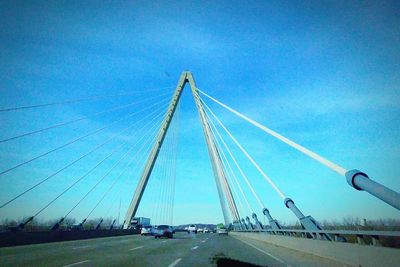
(142, 159)
(92, 169)
(355, 178)
(79, 119)
(93, 98)
(236, 215)
(22, 225)
(79, 138)
(78, 180)
(133, 159)
(172, 169)
(238, 167)
(225, 186)
(164, 173)
(164, 176)
(240, 224)
(333, 166)
(109, 171)
(162, 169)
(246, 154)
(57, 225)
(174, 165)
(85, 155)
(230, 174)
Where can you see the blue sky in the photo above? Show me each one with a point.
(323, 73)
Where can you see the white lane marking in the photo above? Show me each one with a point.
(81, 247)
(203, 241)
(136, 248)
(193, 248)
(164, 241)
(76, 263)
(269, 254)
(175, 262)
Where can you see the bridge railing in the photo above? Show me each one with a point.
(362, 237)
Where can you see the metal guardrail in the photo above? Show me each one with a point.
(338, 235)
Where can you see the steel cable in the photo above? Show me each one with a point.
(134, 158)
(108, 172)
(333, 166)
(76, 100)
(238, 167)
(76, 139)
(78, 119)
(274, 186)
(78, 159)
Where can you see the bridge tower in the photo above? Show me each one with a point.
(223, 188)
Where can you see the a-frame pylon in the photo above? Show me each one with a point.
(223, 188)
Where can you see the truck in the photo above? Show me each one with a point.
(139, 222)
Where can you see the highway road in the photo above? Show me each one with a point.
(134, 250)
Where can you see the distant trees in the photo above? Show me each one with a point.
(355, 223)
(43, 225)
(220, 225)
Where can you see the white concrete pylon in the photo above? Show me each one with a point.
(219, 174)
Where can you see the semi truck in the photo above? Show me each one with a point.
(139, 222)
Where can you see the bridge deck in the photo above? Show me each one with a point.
(183, 250)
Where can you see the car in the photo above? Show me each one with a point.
(206, 230)
(147, 230)
(222, 231)
(164, 231)
(192, 229)
(199, 230)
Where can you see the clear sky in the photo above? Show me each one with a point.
(323, 73)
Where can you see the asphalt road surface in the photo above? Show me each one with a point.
(134, 250)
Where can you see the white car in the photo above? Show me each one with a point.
(147, 230)
(222, 231)
(206, 230)
(199, 230)
(192, 229)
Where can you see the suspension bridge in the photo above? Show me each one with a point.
(152, 158)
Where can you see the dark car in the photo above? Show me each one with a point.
(164, 231)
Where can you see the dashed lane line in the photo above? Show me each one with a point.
(263, 251)
(76, 263)
(81, 247)
(175, 262)
(136, 248)
(193, 248)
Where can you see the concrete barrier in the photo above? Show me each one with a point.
(348, 253)
(8, 239)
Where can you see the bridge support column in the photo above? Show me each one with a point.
(249, 223)
(272, 222)
(257, 222)
(307, 222)
(360, 181)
